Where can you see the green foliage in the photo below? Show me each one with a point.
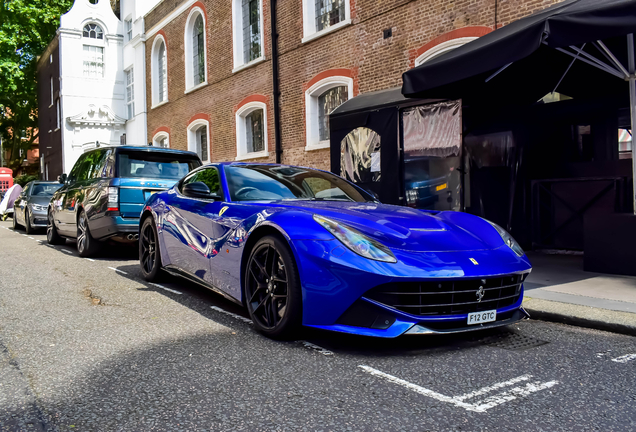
(24, 179)
(26, 28)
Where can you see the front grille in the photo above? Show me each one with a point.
(449, 296)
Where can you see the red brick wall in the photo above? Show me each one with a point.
(375, 63)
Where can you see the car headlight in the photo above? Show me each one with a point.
(507, 238)
(37, 207)
(356, 241)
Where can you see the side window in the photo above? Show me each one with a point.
(209, 176)
(27, 190)
(74, 174)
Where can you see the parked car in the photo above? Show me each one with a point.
(103, 195)
(29, 209)
(302, 247)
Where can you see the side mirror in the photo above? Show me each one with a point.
(62, 178)
(197, 190)
(372, 193)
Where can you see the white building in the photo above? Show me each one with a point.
(99, 97)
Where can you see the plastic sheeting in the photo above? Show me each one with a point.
(9, 198)
(360, 156)
(433, 130)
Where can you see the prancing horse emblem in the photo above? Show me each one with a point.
(480, 294)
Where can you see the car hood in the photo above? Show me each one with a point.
(407, 228)
(40, 200)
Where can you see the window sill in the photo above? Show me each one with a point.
(159, 104)
(249, 156)
(254, 62)
(318, 146)
(196, 87)
(326, 31)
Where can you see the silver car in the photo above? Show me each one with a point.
(29, 209)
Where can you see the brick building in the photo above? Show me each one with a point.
(213, 92)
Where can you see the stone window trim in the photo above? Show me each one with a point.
(241, 133)
(93, 30)
(442, 48)
(195, 12)
(446, 42)
(309, 21)
(237, 36)
(158, 137)
(311, 108)
(154, 70)
(193, 126)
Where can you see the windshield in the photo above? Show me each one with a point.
(159, 165)
(276, 182)
(44, 189)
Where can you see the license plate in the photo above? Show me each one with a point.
(441, 187)
(482, 317)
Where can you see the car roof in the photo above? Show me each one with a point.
(146, 148)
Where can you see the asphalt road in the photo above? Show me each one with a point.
(88, 345)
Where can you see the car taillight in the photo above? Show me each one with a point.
(113, 199)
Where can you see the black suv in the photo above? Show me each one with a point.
(105, 192)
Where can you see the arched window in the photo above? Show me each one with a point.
(251, 131)
(320, 100)
(199, 139)
(93, 51)
(195, 49)
(93, 31)
(161, 139)
(247, 17)
(159, 66)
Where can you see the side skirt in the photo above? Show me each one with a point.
(175, 271)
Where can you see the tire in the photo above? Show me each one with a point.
(272, 289)
(16, 225)
(149, 253)
(52, 236)
(27, 223)
(87, 246)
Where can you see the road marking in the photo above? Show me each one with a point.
(233, 315)
(31, 238)
(477, 406)
(90, 259)
(315, 347)
(625, 358)
(165, 288)
(117, 270)
(67, 251)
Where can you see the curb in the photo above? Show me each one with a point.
(581, 316)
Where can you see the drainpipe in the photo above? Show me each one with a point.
(275, 81)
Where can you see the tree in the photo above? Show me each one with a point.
(26, 28)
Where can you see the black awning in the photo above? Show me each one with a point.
(526, 55)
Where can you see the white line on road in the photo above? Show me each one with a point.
(315, 347)
(624, 358)
(493, 387)
(90, 259)
(117, 270)
(67, 251)
(233, 315)
(31, 238)
(165, 288)
(478, 406)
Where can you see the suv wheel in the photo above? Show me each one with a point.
(86, 245)
(52, 236)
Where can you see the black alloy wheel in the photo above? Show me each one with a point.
(86, 245)
(149, 254)
(52, 236)
(27, 222)
(272, 289)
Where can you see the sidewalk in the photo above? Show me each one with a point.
(559, 290)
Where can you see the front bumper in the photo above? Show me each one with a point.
(334, 280)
